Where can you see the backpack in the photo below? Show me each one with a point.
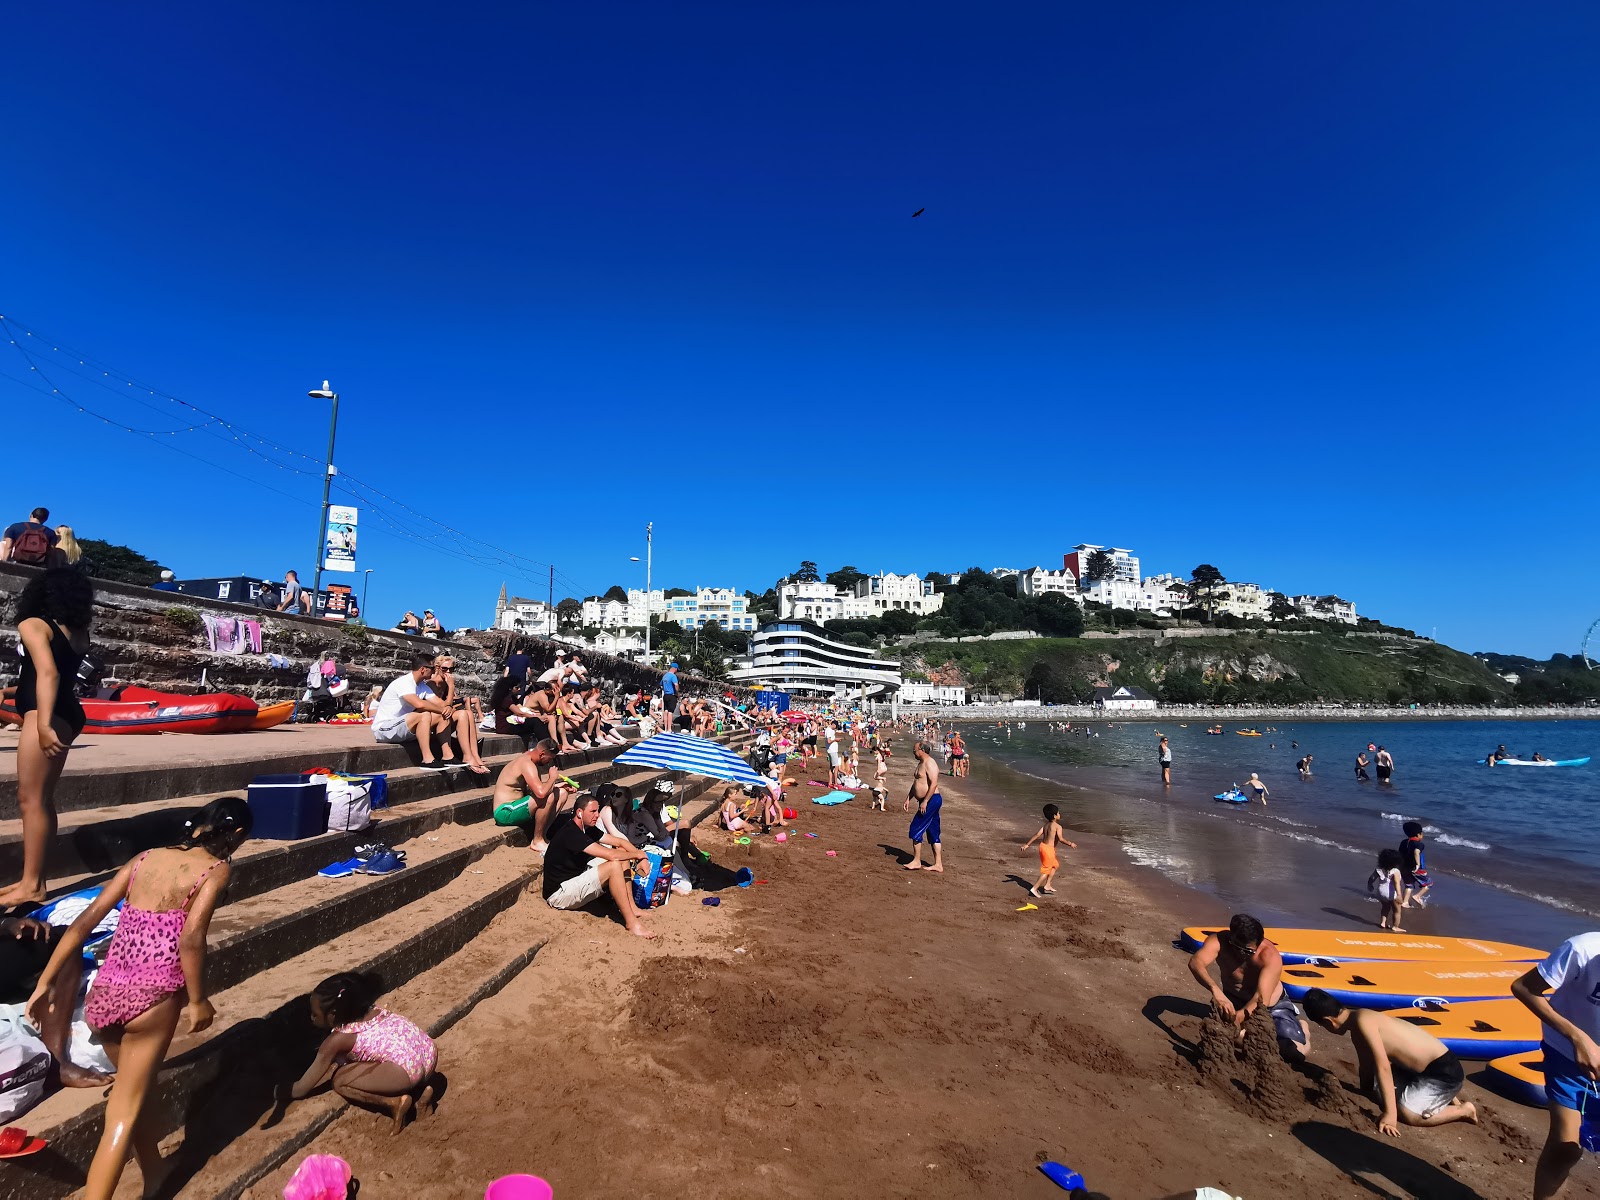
(32, 546)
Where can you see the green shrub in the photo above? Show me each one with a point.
(184, 618)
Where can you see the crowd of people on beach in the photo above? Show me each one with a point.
(595, 843)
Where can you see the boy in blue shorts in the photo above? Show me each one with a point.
(1564, 992)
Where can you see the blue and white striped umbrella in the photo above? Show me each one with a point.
(684, 752)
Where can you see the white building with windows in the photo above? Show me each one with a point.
(931, 693)
(1165, 593)
(522, 615)
(1245, 600)
(819, 602)
(1118, 593)
(877, 594)
(726, 606)
(1038, 581)
(1325, 608)
(1124, 699)
(800, 658)
(641, 605)
(1125, 564)
(604, 614)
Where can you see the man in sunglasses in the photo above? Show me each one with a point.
(1251, 971)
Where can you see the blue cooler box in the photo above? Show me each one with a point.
(286, 808)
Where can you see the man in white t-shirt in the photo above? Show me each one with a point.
(406, 714)
(1564, 992)
(835, 755)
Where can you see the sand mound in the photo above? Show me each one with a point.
(1250, 1072)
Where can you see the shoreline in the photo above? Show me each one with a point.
(847, 1028)
(1206, 712)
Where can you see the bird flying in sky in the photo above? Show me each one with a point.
(920, 211)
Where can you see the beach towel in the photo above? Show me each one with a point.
(833, 798)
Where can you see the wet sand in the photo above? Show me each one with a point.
(851, 1029)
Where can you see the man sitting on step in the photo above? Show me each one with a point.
(580, 867)
(408, 712)
(522, 795)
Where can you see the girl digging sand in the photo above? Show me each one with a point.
(379, 1058)
(1048, 837)
(155, 962)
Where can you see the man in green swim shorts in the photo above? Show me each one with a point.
(521, 792)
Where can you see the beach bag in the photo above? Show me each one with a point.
(379, 795)
(24, 1063)
(32, 546)
(349, 804)
(652, 879)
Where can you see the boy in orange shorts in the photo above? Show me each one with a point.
(1048, 837)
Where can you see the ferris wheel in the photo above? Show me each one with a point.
(1589, 637)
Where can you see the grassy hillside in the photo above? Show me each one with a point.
(1243, 668)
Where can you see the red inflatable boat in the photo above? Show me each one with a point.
(140, 710)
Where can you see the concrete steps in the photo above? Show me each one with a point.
(92, 842)
(454, 926)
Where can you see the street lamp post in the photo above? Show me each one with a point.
(649, 535)
(366, 580)
(326, 393)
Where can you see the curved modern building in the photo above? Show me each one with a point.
(800, 658)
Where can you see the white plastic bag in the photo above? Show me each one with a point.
(24, 1063)
(349, 804)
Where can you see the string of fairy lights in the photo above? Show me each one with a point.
(76, 380)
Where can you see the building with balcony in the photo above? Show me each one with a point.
(726, 606)
(522, 615)
(1039, 582)
(875, 595)
(1325, 608)
(819, 602)
(799, 657)
(604, 614)
(1124, 563)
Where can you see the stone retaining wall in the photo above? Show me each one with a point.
(158, 640)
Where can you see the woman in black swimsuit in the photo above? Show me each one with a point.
(53, 615)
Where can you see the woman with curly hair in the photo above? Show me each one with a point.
(53, 615)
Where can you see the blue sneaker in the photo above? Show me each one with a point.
(339, 870)
(384, 863)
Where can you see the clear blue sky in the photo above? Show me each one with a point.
(1304, 291)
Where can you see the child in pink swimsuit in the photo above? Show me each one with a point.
(379, 1058)
(155, 963)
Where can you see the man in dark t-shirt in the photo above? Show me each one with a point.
(518, 665)
(572, 877)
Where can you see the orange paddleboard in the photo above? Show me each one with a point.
(1478, 1028)
(1398, 984)
(1377, 945)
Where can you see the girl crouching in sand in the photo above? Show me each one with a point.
(1048, 837)
(379, 1058)
(730, 815)
(154, 970)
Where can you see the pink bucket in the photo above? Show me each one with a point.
(518, 1187)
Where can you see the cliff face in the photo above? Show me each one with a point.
(1245, 667)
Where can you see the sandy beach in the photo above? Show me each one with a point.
(847, 1028)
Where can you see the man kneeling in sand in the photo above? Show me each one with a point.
(579, 867)
(521, 791)
(1252, 978)
(1411, 1073)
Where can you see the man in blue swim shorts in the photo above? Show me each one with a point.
(1564, 993)
(925, 824)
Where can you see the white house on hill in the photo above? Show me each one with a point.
(1124, 699)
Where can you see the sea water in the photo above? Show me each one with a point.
(1514, 851)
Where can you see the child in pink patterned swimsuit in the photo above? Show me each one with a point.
(380, 1058)
(155, 962)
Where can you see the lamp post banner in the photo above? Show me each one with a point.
(339, 552)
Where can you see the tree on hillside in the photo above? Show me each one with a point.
(1205, 587)
(671, 592)
(845, 577)
(107, 560)
(1280, 607)
(616, 592)
(807, 573)
(1055, 615)
(897, 622)
(1102, 564)
(569, 613)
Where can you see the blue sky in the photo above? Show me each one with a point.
(1306, 292)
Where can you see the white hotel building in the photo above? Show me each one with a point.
(726, 606)
(799, 657)
(872, 596)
